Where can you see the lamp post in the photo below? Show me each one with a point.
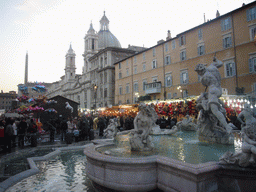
(179, 88)
(137, 96)
(95, 87)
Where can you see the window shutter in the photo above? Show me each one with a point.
(250, 66)
(181, 80)
(203, 47)
(185, 57)
(186, 77)
(198, 50)
(229, 23)
(180, 41)
(171, 80)
(184, 38)
(233, 69)
(227, 71)
(253, 30)
(181, 56)
(223, 42)
(222, 25)
(248, 14)
(230, 41)
(165, 60)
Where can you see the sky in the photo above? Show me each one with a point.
(45, 29)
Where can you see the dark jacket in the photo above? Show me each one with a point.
(22, 127)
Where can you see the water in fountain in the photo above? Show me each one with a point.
(183, 146)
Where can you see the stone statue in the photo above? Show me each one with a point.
(212, 123)
(157, 131)
(187, 124)
(111, 131)
(247, 157)
(247, 113)
(143, 122)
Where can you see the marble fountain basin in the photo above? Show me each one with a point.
(117, 168)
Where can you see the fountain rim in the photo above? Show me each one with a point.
(91, 153)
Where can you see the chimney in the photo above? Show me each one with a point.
(217, 14)
(204, 18)
(168, 35)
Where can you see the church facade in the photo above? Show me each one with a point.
(95, 87)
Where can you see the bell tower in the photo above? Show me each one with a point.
(70, 68)
(90, 46)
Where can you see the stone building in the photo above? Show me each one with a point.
(166, 70)
(7, 100)
(95, 86)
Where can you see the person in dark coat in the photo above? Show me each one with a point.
(158, 121)
(127, 123)
(172, 122)
(32, 127)
(162, 123)
(168, 122)
(84, 129)
(91, 122)
(101, 125)
(234, 120)
(22, 128)
(8, 135)
(52, 130)
(122, 121)
(63, 129)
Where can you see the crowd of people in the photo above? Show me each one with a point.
(19, 131)
(15, 131)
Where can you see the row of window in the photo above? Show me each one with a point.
(229, 67)
(7, 102)
(7, 98)
(6, 108)
(227, 43)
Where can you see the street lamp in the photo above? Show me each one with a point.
(179, 88)
(95, 87)
(137, 96)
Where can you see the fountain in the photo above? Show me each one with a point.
(133, 160)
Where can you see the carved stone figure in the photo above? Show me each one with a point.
(187, 124)
(111, 131)
(143, 122)
(157, 131)
(247, 113)
(247, 157)
(212, 123)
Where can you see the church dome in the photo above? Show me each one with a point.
(106, 38)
